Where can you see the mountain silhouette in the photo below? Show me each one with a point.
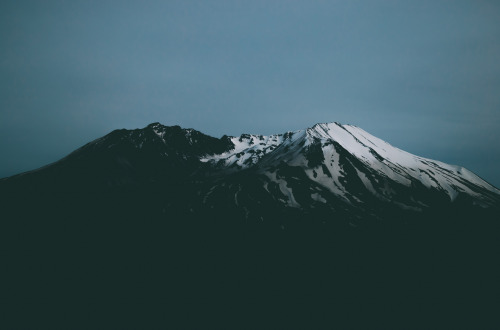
(328, 212)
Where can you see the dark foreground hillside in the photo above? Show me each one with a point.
(119, 248)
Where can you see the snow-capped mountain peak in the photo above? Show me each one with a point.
(333, 155)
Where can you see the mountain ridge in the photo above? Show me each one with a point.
(329, 167)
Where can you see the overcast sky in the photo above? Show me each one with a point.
(422, 75)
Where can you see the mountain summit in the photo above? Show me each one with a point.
(347, 161)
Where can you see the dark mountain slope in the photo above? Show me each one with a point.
(123, 159)
(325, 213)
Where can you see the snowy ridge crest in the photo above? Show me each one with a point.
(249, 149)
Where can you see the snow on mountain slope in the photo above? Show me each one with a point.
(248, 150)
(331, 154)
(402, 166)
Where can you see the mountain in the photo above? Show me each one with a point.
(329, 211)
(332, 169)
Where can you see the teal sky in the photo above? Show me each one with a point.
(422, 75)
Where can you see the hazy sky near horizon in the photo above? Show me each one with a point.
(422, 75)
